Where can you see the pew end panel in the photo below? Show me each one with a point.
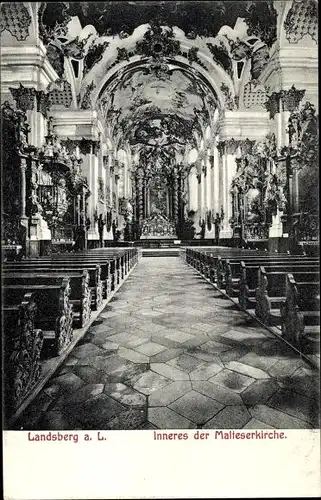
(23, 344)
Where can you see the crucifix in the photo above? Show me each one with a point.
(157, 86)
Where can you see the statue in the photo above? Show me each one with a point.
(202, 231)
(253, 199)
(101, 224)
(217, 225)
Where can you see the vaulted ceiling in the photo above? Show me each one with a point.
(157, 104)
(157, 107)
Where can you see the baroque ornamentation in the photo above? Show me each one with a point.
(43, 102)
(222, 57)
(261, 19)
(24, 97)
(94, 55)
(192, 55)
(22, 354)
(259, 59)
(18, 127)
(158, 43)
(16, 19)
(303, 136)
(254, 96)
(85, 102)
(52, 20)
(286, 100)
(302, 19)
(230, 102)
(122, 54)
(62, 97)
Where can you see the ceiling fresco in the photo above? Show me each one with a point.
(157, 105)
(153, 111)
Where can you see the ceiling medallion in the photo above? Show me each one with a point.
(158, 43)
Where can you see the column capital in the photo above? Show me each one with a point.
(228, 146)
(284, 100)
(24, 97)
(86, 146)
(27, 97)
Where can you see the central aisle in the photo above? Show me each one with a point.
(170, 352)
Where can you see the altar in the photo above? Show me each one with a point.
(158, 226)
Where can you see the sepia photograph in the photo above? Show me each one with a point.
(160, 218)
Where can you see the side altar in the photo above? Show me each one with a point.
(158, 226)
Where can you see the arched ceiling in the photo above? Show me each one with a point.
(157, 93)
(157, 107)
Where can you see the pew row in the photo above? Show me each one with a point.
(40, 266)
(54, 311)
(250, 276)
(80, 294)
(271, 290)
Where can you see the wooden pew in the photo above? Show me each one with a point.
(207, 261)
(101, 285)
(271, 290)
(22, 343)
(54, 311)
(64, 267)
(300, 314)
(114, 263)
(249, 275)
(229, 269)
(80, 295)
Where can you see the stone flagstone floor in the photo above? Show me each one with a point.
(169, 352)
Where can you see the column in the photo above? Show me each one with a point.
(175, 195)
(23, 192)
(199, 195)
(216, 180)
(209, 181)
(140, 186)
(192, 190)
(90, 169)
(204, 187)
(228, 169)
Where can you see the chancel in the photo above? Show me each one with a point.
(160, 215)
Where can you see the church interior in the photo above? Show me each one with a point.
(160, 215)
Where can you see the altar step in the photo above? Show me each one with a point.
(161, 252)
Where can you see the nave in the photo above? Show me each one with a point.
(169, 351)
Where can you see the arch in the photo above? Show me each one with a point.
(210, 72)
(137, 62)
